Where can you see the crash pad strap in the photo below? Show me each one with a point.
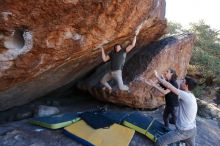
(96, 120)
(116, 117)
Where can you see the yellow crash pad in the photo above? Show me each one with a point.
(115, 135)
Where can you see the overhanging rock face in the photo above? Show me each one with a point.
(174, 52)
(45, 45)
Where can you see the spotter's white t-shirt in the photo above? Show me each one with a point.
(187, 110)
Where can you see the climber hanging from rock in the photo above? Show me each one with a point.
(117, 58)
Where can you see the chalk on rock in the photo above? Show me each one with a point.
(44, 111)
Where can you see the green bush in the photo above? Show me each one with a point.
(207, 62)
(206, 53)
(198, 91)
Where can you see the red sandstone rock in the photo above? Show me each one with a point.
(63, 40)
(174, 52)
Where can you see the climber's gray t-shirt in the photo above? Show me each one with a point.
(117, 59)
(187, 110)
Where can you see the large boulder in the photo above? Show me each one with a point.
(174, 52)
(45, 45)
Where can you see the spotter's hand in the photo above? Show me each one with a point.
(156, 74)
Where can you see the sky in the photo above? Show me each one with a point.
(186, 11)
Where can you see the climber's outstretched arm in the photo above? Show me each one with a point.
(105, 57)
(130, 47)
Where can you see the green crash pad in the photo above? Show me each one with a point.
(146, 125)
(56, 121)
(138, 122)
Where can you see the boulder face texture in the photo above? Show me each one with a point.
(174, 52)
(45, 45)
